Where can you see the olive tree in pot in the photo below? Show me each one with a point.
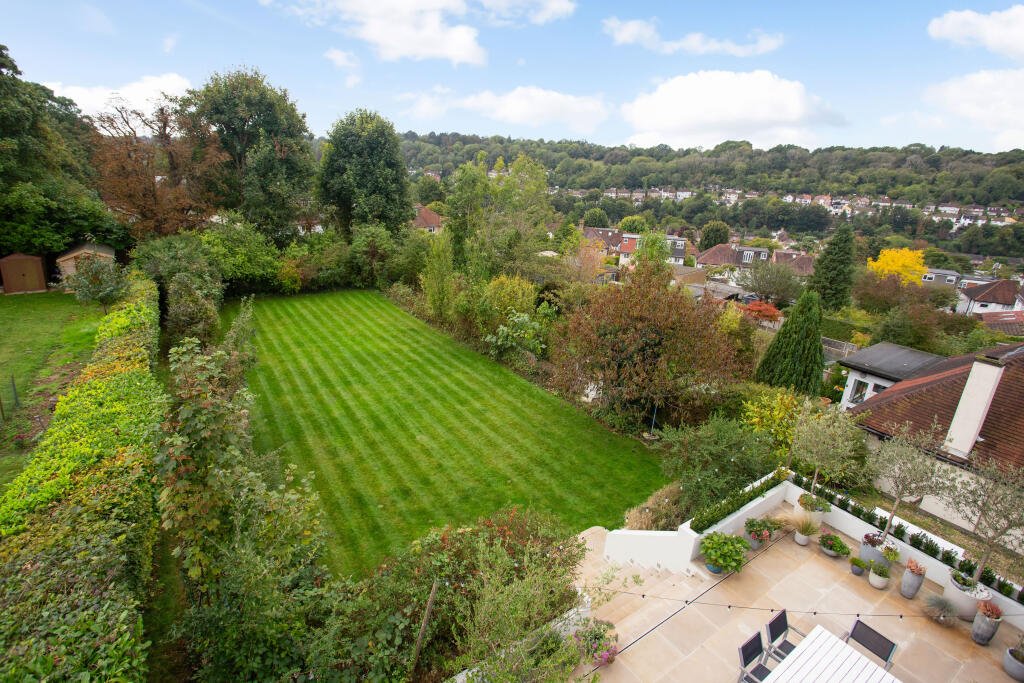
(986, 622)
(912, 579)
(1013, 661)
(828, 440)
(723, 552)
(992, 496)
(908, 472)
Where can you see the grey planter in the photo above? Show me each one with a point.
(1013, 667)
(966, 602)
(910, 584)
(830, 553)
(754, 543)
(856, 571)
(871, 554)
(984, 629)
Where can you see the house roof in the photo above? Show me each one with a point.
(426, 218)
(87, 247)
(611, 238)
(932, 395)
(801, 263)
(998, 292)
(943, 271)
(718, 255)
(890, 361)
(1007, 322)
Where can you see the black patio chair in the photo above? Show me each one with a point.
(778, 636)
(752, 653)
(873, 641)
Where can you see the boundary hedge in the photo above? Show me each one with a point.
(77, 526)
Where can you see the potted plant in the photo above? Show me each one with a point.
(759, 531)
(940, 609)
(986, 622)
(815, 506)
(832, 545)
(857, 566)
(870, 548)
(723, 552)
(879, 575)
(965, 593)
(804, 528)
(912, 579)
(597, 641)
(1013, 661)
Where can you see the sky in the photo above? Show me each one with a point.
(684, 73)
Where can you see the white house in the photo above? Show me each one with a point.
(872, 370)
(1001, 295)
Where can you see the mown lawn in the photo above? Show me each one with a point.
(42, 338)
(405, 429)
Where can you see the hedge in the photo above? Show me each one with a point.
(712, 514)
(840, 330)
(77, 526)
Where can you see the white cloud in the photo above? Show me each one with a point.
(645, 33)
(988, 100)
(93, 20)
(170, 42)
(348, 62)
(524, 105)
(704, 108)
(138, 94)
(1001, 32)
(536, 11)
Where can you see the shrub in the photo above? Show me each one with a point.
(97, 280)
(190, 312)
(931, 547)
(870, 517)
(967, 566)
(917, 539)
(1004, 587)
(880, 570)
(948, 557)
(857, 562)
(725, 551)
(856, 510)
(900, 531)
(662, 511)
(77, 526)
(988, 576)
(244, 257)
(712, 514)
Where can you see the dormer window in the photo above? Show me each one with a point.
(928, 277)
(748, 256)
(764, 255)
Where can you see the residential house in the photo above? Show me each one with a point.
(974, 210)
(882, 202)
(949, 209)
(940, 277)
(971, 280)
(976, 400)
(685, 194)
(1001, 295)
(610, 193)
(677, 249)
(1007, 322)
(804, 199)
(427, 219)
(789, 198)
(627, 246)
(823, 200)
(688, 275)
(801, 263)
(609, 237)
(876, 368)
(903, 204)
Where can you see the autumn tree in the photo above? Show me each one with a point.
(586, 260)
(363, 178)
(639, 345)
(715, 232)
(833, 270)
(907, 264)
(154, 172)
(795, 357)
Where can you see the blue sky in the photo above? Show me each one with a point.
(680, 73)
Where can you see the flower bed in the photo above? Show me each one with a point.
(77, 526)
(707, 517)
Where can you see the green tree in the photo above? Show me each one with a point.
(596, 218)
(795, 357)
(372, 248)
(634, 223)
(908, 470)
(428, 190)
(243, 255)
(715, 232)
(269, 168)
(362, 173)
(437, 278)
(833, 270)
(465, 207)
(829, 440)
(774, 282)
(97, 280)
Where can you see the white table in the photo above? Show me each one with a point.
(822, 656)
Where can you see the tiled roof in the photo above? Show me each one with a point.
(719, 255)
(611, 238)
(426, 218)
(933, 395)
(1007, 322)
(998, 292)
(802, 264)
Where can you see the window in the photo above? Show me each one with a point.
(950, 279)
(748, 256)
(982, 305)
(879, 388)
(764, 255)
(928, 277)
(860, 389)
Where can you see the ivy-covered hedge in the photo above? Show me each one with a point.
(77, 526)
(712, 514)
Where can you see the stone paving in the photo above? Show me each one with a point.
(664, 639)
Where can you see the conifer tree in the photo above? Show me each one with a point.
(833, 271)
(795, 357)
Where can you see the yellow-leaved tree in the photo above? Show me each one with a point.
(908, 264)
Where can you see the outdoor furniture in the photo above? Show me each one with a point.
(778, 631)
(875, 642)
(822, 656)
(752, 653)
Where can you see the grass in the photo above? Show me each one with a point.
(405, 429)
(45, 339)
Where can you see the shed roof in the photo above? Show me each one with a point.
(86, 247)
(890, 361)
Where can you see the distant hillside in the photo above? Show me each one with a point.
(916, 172)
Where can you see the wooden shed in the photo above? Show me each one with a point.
(22, 273)
(68, 261)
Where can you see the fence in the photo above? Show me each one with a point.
(837, 350)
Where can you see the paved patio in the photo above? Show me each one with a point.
(665, 639)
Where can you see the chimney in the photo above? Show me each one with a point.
(973, 407)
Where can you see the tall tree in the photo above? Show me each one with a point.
(715, 232)
(829, 440)
(465, 206)
(795, 357)
(833, 271)
(907, 264)
(269, 166)
(362, 173)
(596, 218)
(437, 278)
